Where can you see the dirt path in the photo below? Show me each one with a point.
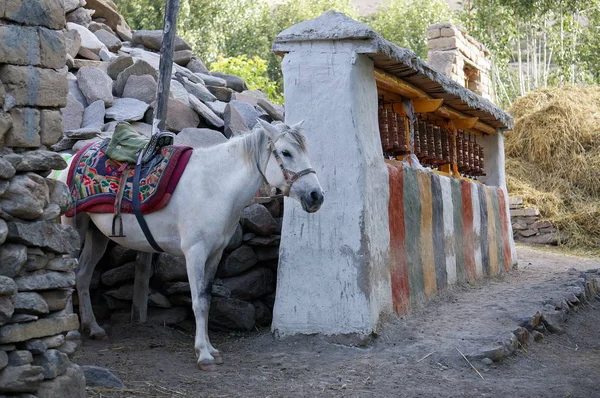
(159, 362)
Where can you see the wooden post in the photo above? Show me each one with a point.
(166, 66)
(141, 287)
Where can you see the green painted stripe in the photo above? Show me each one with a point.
(441, 276)
(483, 215)
(461, 273)
(412, 221)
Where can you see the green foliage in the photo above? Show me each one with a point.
(253, 70)
(405, 22)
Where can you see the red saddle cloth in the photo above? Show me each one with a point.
(94, 179)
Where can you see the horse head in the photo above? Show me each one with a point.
(288, 167)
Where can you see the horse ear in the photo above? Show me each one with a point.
(268, 127)
(297, 126)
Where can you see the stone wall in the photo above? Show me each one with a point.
(38, 330)
(528, 227)
(460, 57)
(443, 231)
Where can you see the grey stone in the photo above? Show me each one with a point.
(118, 65)
(271, 240)
(198, 90)
(237, 262)
(554, 320)
(218, 107)
(25, 131)
(70, 5)
(233, 82)
(127, 109)
(95, 85)
(6, 309)
(95, 26)
(47, 235)
(543, 239)
(170, 288)
(5, 118)
(236, 239)
(41, 328)
(4, 359)
(182, 57)
(7, 170)
(84, 133)
(68, 347)
(76, 93)
(111, 41)
(73, 335)
(116, 304)
(53, 362)
(239, 117)
(156, 299)
(90, 44)
(199, 138)
(197, 66)
(51, 128)
(26, 196)
(178, 92)
(20, 318)
(7, 347)
(8, 287)
(143, 128)
(56, 299)
(139, 68)
(3, 235)
(262, 313)
(45, 281)
(70, 384)
(12, 259)
(169, 268)
(30, 303)
(251, 285)
(161, 316)
(231, 314)
(180, 299)
(205, 112)
(119, 274)
(80, 144)
(211, 80)
(51, 212)
(152, 39)
(257, 219)
(496, 354)
(54, 341)
(224, 94)
(95, 376)
(141, 87)
(220, 291)
(59, 194)
(19, 379)
(80, 16)
(19, 358)
(39, 160)
(49, 90)
(180, 116)
(36, 259)
(124, 292)
(120, 255)
(48, 13)
(36, 346)
(93, 115)
(267, 253)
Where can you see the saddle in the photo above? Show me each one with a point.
(110, 176)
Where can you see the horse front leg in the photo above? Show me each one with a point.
(197, 264)
(93, 249)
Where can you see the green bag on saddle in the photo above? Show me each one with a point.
(126, 143)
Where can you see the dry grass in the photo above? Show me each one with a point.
(553, 160)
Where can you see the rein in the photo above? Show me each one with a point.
(290, 176)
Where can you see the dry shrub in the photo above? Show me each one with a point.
(553, 160)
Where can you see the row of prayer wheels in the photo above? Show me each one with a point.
(433, 145)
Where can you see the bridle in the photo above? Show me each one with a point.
(290, 176)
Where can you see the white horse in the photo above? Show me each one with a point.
(203, 213)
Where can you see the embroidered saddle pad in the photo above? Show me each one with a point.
(94, 179)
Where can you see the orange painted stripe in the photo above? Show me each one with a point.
(427, 253)
(468, 233)
(492, 232)
(399, 269)
(504, 222)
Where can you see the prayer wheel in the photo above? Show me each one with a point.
(384, 128)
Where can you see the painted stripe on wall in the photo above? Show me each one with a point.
(438, 232)
(427, 256)
(461, 275)
(498, 221)
(467, 207)
(504, 226)
(449, 240)
(483, 216)
(399, 270)
(412, 222)
(492, 232)
(476, 230)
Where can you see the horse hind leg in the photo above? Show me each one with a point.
(210, 270)
(93, 249)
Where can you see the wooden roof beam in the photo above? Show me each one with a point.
(391, 83)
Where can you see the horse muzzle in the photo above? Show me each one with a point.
(312, 201)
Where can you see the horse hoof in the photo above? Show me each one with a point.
(207, 366)
(218, 359)
(98, 334)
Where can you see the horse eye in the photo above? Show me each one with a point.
(287, 154)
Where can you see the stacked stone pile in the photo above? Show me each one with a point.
(243, 291)
(113, 76)
(527, 226)
(38, 329)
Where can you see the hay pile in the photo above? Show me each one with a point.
(553, 160)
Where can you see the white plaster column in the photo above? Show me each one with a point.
(333, 275)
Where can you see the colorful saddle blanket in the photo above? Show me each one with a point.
(94, 179)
